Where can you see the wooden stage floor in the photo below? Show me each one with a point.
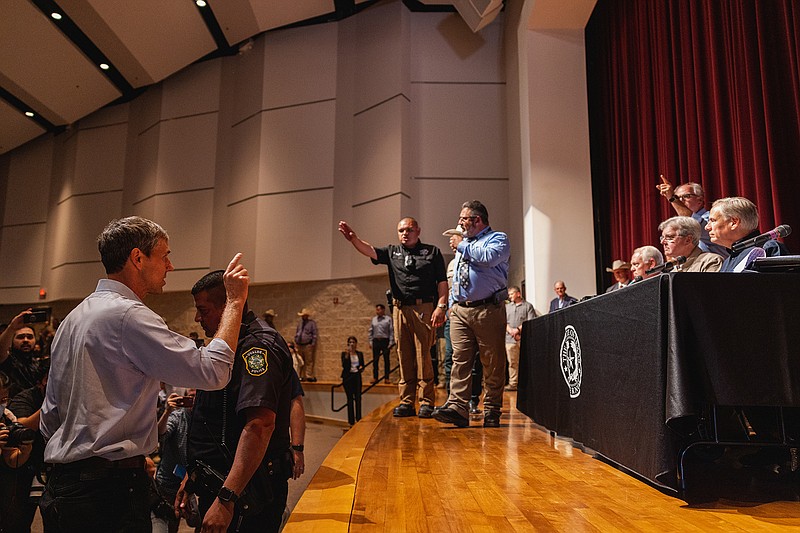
(414, 475)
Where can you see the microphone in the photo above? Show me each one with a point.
(668, 266)
(781, 231)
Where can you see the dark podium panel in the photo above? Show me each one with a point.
(628, 373)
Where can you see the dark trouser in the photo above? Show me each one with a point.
(380, 347)
(352, 388)
(435, 362)
(79, 498)
(17, 508)
(268, 520)
(477, 379)
(448, 354)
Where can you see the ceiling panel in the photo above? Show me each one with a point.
(15, 128)
(276, 13)
(146, 40)
(56, 79)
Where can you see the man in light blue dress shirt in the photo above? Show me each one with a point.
(477, 316)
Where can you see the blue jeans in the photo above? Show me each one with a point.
(448, 354)
(79, 500)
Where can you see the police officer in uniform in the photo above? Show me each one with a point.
(240, 434)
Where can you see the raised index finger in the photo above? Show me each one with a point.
(663, 179)
(234, 262)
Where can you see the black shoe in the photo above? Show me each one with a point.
(311, 380)
(491, 419)
(425, 411)
(473, 408)
(404, 409)
(448, 415)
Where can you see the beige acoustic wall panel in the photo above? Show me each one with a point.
(297, 146)
(21, 249)
(300, 66)
(74, 264)
(446, 50)
(294, 241)
(187, 153)
(29, 174)
(382, 63)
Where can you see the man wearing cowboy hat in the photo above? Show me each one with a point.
(306, 340)
(622, 275)
(269, 317)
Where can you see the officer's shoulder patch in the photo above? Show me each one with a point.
(255, 360)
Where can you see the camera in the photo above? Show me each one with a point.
(37, 315)
(185, 401)
(17, 434)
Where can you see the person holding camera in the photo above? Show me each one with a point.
(16, 443)
(173, 429)
(238, 446)
(17, 351)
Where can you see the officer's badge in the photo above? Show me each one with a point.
(255, 359)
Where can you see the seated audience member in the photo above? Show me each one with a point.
(643, 259)
(563, 299)
(622, 275)
(735, 219)
(680, 236)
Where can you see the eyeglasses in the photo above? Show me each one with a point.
(464, 219)
(668, 238)
(687, 196)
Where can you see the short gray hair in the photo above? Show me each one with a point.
(738, 207)
(685, 226)
(695, 188)
(649, 252)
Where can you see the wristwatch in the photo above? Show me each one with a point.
(673, 198)
(227, 495)
(298, 447)
(441, 306)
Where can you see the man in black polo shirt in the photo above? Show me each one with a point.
(419, 288)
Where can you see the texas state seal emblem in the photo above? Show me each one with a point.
(571, 367)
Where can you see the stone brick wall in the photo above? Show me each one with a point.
(341, 308)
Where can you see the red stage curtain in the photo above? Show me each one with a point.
(705, 91)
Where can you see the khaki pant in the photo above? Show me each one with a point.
(307, 353)
(478, 329)
(512, 354)
(412, 326)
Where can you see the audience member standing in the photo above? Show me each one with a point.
(477, 316)
(17, 351)
(352, 365)
(269, 317)
(381, 339)
(419, 288)
(108, 356)
(517, 312)
(562, 299)
(305, 338)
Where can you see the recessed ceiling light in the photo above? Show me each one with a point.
(55, 16)
(200, 3)
(29, 114)
(104, 66)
